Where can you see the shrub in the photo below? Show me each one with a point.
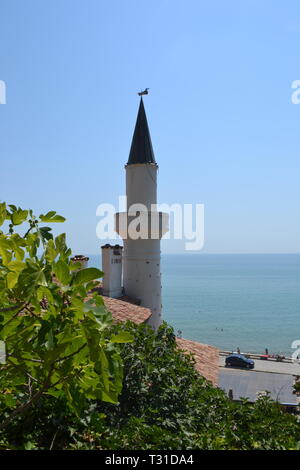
(57, 344)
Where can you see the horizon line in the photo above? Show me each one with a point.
(212, 253)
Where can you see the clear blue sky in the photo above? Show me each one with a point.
(223, 127)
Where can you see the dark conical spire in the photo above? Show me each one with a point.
(141, 150)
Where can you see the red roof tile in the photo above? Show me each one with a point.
(122, 310)
(206, 358)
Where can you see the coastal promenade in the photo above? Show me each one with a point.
(270, 366)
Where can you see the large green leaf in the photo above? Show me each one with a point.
(2, 212)
(17, 242)
(62, 272)
(122, 337)
(52, 217)
(51, 252)
(60, 243)
(12, 279)
(5, 249)
(44, 292)
(19, 216)
(16, 266)
(86, 275)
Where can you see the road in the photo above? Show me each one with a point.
(250, 384)
(271, 366)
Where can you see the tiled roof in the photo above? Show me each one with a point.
(206, 358)
(122, 310)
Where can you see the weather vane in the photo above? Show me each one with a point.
(145, 92)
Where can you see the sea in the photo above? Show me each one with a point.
(245, 301)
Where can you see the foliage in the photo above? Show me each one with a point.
(58, 345)
(164, 404)
(297, 386)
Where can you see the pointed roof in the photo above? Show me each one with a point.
(141, 150)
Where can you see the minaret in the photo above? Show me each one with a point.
(141, 261)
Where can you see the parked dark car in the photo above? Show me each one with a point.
(238, 360)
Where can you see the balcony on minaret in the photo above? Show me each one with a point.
(141, 224)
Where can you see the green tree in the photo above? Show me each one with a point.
(57, 344)
(166, 404)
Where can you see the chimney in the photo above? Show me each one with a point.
(83, 260)
(112, 268)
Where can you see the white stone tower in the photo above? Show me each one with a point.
(141, 260)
